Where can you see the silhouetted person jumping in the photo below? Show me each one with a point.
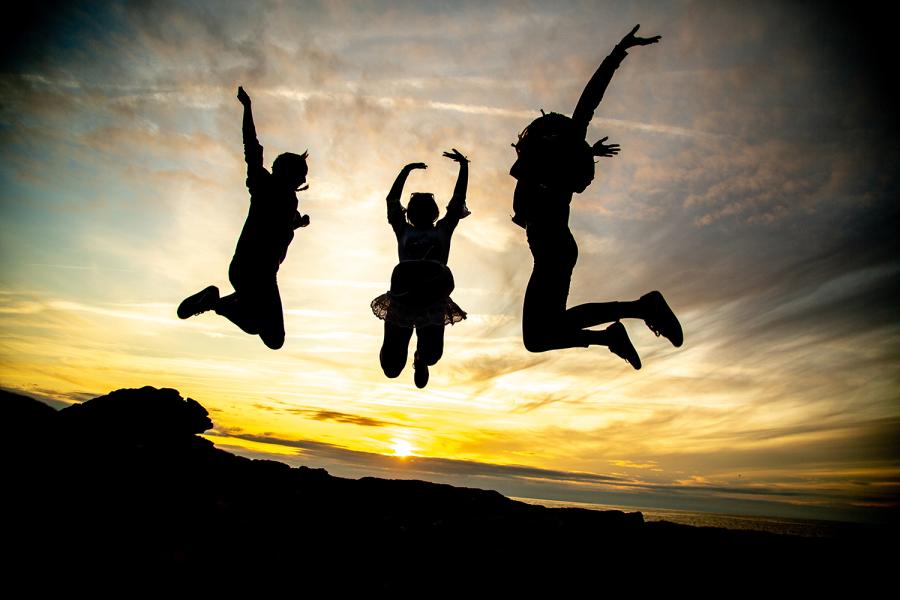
(255, 305)
(554, 161)
(421, 283)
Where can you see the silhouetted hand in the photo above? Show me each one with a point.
(412, 166)
(456, 155)
(601, 149)
(300, 220)
(243, 97)
(630, 40)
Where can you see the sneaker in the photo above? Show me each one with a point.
(621, 346)
(660, 318)
(420, 372)
(200, 302)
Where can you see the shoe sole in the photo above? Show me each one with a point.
(187, 308)
(617, 327)
(669, 317)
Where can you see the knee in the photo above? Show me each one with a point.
(392, 368)
(536, 342)
(392, 365)
(431, 355)
(533, 346)
(392, 371)
(273, 340)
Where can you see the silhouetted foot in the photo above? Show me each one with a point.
(621, 346)
(200, 302)
(420, 372)
(660, 318)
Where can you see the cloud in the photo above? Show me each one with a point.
(421, 465)
(52, 397)
(339, 417)
(486, 367)
(691, 493)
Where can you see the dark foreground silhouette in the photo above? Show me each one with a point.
(419, 298)
(255, 305)
(554, 162)
(122, 484)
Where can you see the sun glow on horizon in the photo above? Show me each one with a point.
(402, 448)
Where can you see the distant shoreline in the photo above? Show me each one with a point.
(813, 528)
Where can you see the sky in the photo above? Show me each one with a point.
(756, 188)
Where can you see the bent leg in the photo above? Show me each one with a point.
(430, 343)
(548, 325)
(255, 306)
(239, 311)
(544, 309)
(598, 313)
(564, 338)
(271, 317)
(394, 349)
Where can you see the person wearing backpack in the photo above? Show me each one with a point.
(554, 162)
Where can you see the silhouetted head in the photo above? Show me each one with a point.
(422, 210)
(291, 168)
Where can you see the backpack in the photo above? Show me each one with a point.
(552, 152)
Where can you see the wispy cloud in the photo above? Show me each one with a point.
(339, 417)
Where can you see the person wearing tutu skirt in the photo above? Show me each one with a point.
(553, 162)
(421, 283)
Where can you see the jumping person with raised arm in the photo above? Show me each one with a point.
(554, 162)
(419, 298)
(255, 305)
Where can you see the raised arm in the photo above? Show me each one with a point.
(395, 213)
(456, 209)
(596, 87)
(253, 151)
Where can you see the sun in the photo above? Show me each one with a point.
(402, 448)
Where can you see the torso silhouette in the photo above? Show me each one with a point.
(545, 183)
(269, 228)
(414, 243)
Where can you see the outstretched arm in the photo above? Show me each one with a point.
(456, 209)
(395, 212)
(596, 87)
(253, 152)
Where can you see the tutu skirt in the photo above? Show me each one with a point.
(419, 296)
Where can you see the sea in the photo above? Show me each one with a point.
(779, 525)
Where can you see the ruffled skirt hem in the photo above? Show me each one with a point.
(442, 312)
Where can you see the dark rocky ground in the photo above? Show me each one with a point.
(123, 484)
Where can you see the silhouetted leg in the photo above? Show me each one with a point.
(559, 333)
(542, 315)
(271, 316)
(255, 306)
(543, 311)
(546, 323)
(597, 313)
(394, 349)
(430, 343)
(239, 311)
